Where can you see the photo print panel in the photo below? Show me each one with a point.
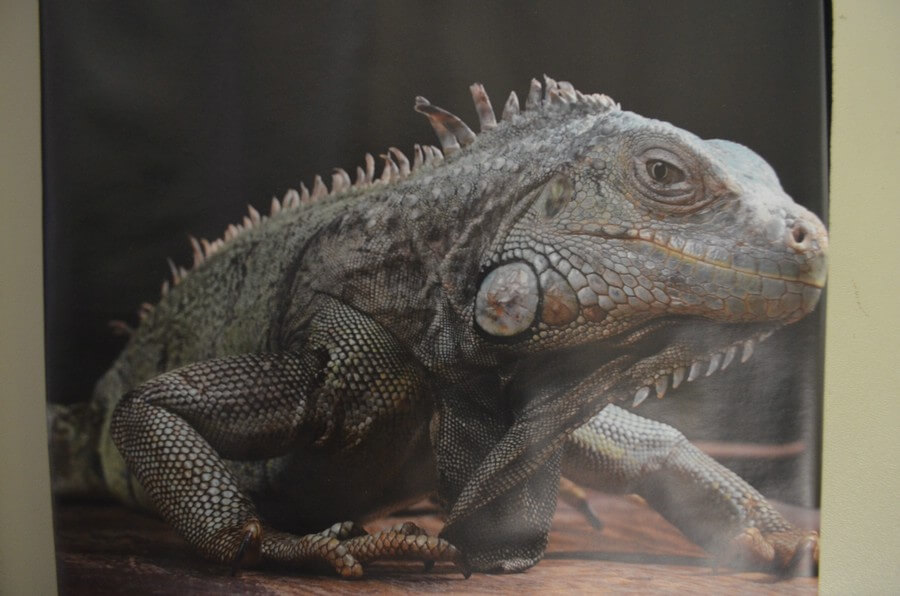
(526, 293)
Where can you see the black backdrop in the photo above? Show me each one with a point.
(166, 119)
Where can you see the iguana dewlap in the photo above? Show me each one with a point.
(461, 325)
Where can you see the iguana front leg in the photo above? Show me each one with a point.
(617, 451)
(175, 430)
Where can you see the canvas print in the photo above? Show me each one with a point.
(462, 297)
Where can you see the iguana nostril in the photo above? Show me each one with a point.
(800, 235)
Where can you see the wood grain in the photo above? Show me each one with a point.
(107, 549)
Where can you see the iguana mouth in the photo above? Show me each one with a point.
(811, 273)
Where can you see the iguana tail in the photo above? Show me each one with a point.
(73, 433)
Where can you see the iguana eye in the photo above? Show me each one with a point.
(663, 172)
(666, 178)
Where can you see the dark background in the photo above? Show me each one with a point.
(167, 119)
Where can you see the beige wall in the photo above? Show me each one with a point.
(26, 552)
(861, 514)
(861, 543)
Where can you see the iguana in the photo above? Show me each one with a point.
(460, 326)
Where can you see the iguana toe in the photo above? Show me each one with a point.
(796, 551)
(344, 530)
(786, 552)
(405, 542)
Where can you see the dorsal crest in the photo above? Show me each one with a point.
(454, 136)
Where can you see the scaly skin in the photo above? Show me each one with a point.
(460, 329)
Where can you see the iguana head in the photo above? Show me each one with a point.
(643, 239)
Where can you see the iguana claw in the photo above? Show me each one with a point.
(249, 546)
(576, 498)
(786, 552)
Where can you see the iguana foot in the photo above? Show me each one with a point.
(787, 551)
(346, 548)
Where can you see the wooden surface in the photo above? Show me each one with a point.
(107, 549)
